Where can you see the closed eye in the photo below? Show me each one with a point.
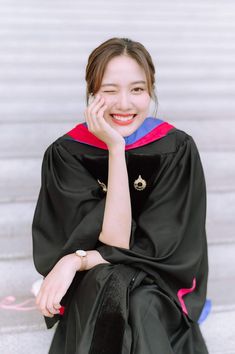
(136, 89)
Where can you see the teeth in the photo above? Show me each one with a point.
(123, 119)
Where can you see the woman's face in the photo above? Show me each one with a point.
(124, 88)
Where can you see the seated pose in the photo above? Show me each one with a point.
(119, 226)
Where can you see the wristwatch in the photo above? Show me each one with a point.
(83, 255)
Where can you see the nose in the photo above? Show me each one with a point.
(123, 102)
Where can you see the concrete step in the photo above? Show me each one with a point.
(182, 9)
(18, 139)
(49, 108)
(75, 58)
(20, 331)
(11, 42)
(222, 262)
(18, 245)
(23, 342)
(63, 4)
(22, 184)
(221, 291)
(16, 220)
(17, 277)
(219, 339)
(62, 90)
(116, 17)
(20, 314)
(22, 72)
(218, 331)
(221, 265)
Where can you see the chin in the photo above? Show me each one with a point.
(125, 130)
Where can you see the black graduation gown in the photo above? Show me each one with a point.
(149, 298)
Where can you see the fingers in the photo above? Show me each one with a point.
(95, 112)
(52, 307)
(42, 306)
(48, 305)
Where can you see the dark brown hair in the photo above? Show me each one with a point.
(111, 48)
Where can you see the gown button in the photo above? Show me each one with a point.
(102, 185)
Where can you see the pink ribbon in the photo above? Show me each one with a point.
(183, 292)
(9, 303)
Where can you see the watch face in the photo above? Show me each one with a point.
(81, 253)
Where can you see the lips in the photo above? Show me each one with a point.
(123, 119)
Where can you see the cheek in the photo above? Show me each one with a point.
(143, 102)
(110, 101)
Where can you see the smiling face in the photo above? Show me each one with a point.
(124, 88)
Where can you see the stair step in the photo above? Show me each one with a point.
(18, 139)
(221, 291)
(168, 8)
(19, 245)
(17, 277)
(23, 342)
(21, 320)
(16, 220)
(20, 331)
(19, 184)
(221, 266)
(23, 73)
(117, 18)
(218, 331)
(222, 261)
(11, 43)
(70, 109)
(29, 317)
(71, 89)
(77, 61)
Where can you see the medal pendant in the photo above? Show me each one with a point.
(140, 184)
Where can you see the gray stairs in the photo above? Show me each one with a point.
(43, 53)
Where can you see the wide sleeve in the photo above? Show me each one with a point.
(168, 239)
(69, 210)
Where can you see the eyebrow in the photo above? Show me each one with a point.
(132, 83)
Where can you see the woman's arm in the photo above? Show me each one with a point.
(116, 227)
(57, 282)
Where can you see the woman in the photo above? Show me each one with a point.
(119, 226)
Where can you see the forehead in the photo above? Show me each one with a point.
(123, 69)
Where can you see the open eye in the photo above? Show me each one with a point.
(138, 89)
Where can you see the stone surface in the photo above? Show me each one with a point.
(218, 331)
(25, 342)
(31, 139)
(16, 221)
(17, 277)
(219, 170)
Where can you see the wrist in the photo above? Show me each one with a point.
(116, 149)
(76, 262)
(82, 255)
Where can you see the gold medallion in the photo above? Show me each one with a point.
(102, 185)
(140, 183)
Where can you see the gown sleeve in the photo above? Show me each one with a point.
(69, 210)
(168, 239)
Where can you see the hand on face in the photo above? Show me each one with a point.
(98, 126)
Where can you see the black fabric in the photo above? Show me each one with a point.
(168, 247)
